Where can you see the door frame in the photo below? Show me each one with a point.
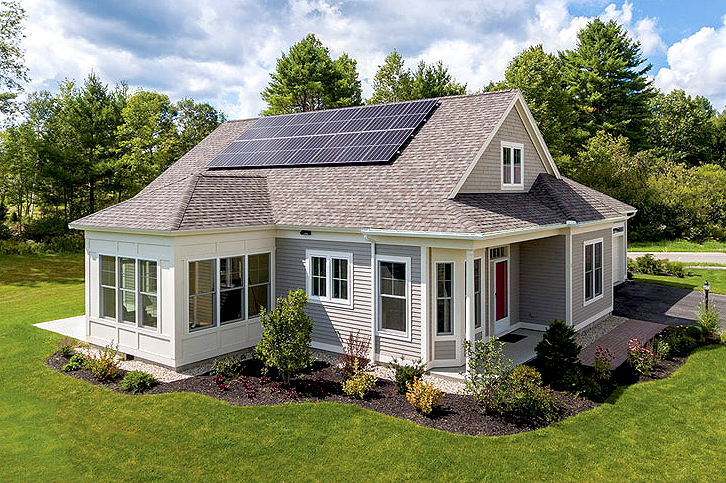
(493, 309)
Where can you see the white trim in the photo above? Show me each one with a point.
(469, 297)
(568, 278)
(481, 296)
(493, 308)
(452, 334)
(595, 298)
(374, 302)
(388, 333)
(540, 144)
(424, 305)
(511, 186)
(328, 299)
(170, 233)
(594, 318)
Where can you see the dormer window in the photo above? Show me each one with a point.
(512, 165)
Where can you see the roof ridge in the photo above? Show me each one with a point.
(186, 199)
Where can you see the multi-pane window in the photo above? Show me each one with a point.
(202, 290)
(393, 296)
(258, 281)
(477, 293)
(329, 276)
(511, 165)
(444, 300)
(593, 270)
(129, 291)
(499, 252)
(231, 289)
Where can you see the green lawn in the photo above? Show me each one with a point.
(54, 428)
(716, 279)
(677, 246)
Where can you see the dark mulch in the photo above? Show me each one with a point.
(456, 413)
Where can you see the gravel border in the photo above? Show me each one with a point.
(598, 329)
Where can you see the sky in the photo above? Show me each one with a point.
(222, 52)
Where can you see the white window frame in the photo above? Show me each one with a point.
(512, 185)
(594, 298)
(388, 333)
(218, 292)
(218, 274)
(137, 292)
(481, 294)
(329, 256)
(451, 298)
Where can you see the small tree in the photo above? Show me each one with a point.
(285, 342)
(557, 351)
(486, 366)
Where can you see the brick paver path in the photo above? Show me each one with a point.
(617, 340)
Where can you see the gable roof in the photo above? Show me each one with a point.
(410, 193)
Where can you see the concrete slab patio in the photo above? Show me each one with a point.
(71, 326)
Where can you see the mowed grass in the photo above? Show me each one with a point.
(677, 246)
(54, 428)
(716, 279)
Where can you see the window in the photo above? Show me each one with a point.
(393, 296)
(500, 252)
(593, 270)
(202, 288)
(330, 276)
(512, 165)
(258, 280)
(231, 289)
(444, 299)
(132, 296)
(244, 287)
(477, 293)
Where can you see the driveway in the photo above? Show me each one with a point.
(685, 257)
(661, 304)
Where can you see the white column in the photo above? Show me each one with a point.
(374, 302)
(425, 330)
(469, 327)
(568, 277)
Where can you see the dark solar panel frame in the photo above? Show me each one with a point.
(366, 134)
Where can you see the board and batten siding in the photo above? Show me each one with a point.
(332, 324)
(486, 175)
(542, 290)
(387, 346)
(580, 311)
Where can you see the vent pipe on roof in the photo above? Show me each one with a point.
(571, 223)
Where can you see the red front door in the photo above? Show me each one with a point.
(502, 304)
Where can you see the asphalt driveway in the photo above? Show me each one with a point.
(661, 304)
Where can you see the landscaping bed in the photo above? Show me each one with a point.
(456, 413)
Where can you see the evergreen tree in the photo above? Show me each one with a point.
(307, 79)
(606, 79)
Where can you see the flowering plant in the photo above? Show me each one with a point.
(640, 357)
(603, 359)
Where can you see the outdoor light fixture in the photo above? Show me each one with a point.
(706, 288)
(305, 232)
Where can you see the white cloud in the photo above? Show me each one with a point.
(697, 64)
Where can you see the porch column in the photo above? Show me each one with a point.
(469, 326)
(374, 300)
(425, 330)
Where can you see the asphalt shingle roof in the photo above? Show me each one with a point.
(411, 193)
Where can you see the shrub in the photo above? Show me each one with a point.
(406, 374)
(557, 351)
(661, 348)
(486, 364)
(66, 347)
(722, 336)
(104, 366)
(521, 392)
(603, 359)
(679, 342)
(356, 349)
(641, 358)
(360, 383)
(285, 342)
(696, 333)
(76, 362)
(581, 382)
(45, 228)
(68, 243)
(137, 381)
(5, 232)
(648, 264)
(677, 269)
(229, 367)
(423, 396)
(709, 320)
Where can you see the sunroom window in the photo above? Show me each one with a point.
(108, 287)
(393, 296)
(258, 279)
(231, 289)
(129, 291)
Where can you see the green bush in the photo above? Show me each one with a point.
(66, 347)
(15, 246)
(229, 367)
(680, 343)
(486, 366)
(45, 228)
(5, 232)
(709, 320)
(677, 269)
(73, 242)
(648, 264)
(78, 361)
(137, 381)
(424, 397)
(405, 374)
(580, 381)
(104, 366)
(520, 392)
(557, 352)
(285, 342)
(360, 383)
(696, 332)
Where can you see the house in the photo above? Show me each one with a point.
(467, 230)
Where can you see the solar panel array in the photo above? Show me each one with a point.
(367, 134)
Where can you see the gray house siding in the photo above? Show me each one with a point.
(445, 349)
(486, 175)
(542, 280)
(332, 324)
(388, 346)
(580, 311)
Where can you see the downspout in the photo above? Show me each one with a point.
(374, 311)
(568, 273)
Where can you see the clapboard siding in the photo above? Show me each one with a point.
(402, 348)
(542, 294)
(486, 175)
(444, 349)
(580, 311)
(332, 324)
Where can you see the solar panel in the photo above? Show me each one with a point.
(366, 134)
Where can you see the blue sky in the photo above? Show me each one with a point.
(222, 52)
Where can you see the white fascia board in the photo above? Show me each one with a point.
(538, 140)
(170, 233)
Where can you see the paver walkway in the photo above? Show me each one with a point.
(617, 341)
